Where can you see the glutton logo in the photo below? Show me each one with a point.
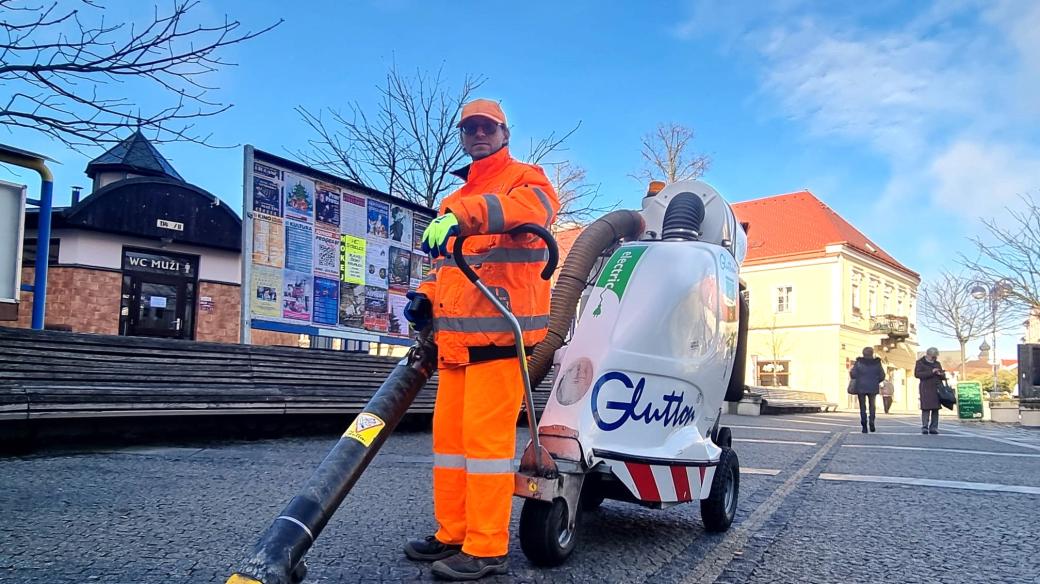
(618, 413)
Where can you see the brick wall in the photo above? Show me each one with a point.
(219, 324)
(85, 300)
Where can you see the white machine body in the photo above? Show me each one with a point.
(642, 380)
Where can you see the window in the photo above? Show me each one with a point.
(900, 301)
(29, 252)
(872, 300)
(856, 279)
(784, 296)
(887, 302)
(774, 373)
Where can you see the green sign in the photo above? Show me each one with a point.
(619, 268)
(969, 400)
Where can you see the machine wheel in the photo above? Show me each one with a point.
(718, 510)
(724, 439)
(591, 497)
(735, 389)
(544, 533)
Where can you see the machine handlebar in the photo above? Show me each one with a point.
(531, 228)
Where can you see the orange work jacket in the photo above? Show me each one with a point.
(500, 193)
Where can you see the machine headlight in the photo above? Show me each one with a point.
(574, 382)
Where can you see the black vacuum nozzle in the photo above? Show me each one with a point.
(682, 219)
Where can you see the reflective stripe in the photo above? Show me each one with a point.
(449, 460)
(489, 324)
(489, 465)
(496, 220)
(544, 198)
(504, 255)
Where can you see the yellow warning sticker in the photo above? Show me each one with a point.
(365, 428)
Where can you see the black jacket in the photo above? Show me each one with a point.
(868, 373)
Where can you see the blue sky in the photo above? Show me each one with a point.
(911, 119)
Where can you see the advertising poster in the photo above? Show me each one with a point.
(352, 259)
(378, 218)
(401, 225)
(297, 295)
(299, 197)
(376, 316)
(299, 246)
(326, 300)
(326, 253)
(351, 305)
(266, 171)
(267, 196)
(397, 324)
(377, 258)
(417, 274)
(353, 215)
(326, 204)
(268, 240)
(419, 224)
(267, 281)
(400, 268)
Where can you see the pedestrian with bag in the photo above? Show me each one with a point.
(867, 374)
(481, 387)
(888, 391)
(929, 370)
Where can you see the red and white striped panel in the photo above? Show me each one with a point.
(662, 483)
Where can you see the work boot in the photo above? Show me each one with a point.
(463, 566)
(430, 549)
(933, 431)
(872, 428)
(864, 428)
(924, 430)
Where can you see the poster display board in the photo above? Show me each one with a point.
(326, 256)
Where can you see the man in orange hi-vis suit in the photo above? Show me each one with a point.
(480, 391)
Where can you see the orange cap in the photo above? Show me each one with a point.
(484, 108)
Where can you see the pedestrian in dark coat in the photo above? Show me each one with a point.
(929, 370)
(867, 374)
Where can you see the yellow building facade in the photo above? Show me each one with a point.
(820, 292)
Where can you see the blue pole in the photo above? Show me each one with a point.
(43, 252)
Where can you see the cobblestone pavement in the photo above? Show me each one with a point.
(819, 502)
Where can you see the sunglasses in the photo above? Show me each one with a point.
(489, 127)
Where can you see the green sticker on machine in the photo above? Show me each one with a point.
(969, 400)
(619, 268)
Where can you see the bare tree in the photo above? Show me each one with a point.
(579, 199)
(948, 308)
(1013, 256)
(408, 145)
(72, 86)
(667, 155)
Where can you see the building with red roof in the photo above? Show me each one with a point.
(820, 291)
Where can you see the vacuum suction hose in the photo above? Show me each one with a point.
(600, 235)
(682, 219)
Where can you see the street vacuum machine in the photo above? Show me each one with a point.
(647, 338)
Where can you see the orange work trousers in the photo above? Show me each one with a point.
(474, 440)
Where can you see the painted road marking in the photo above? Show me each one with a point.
(957, 450)
(763, 441)
(967, 434)
(711, 566)
(775, 429)
(800, 421)
(760, 471)
(964, 485)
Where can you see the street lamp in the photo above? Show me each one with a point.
(995, 293)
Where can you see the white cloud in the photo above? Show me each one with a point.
(978, 180)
